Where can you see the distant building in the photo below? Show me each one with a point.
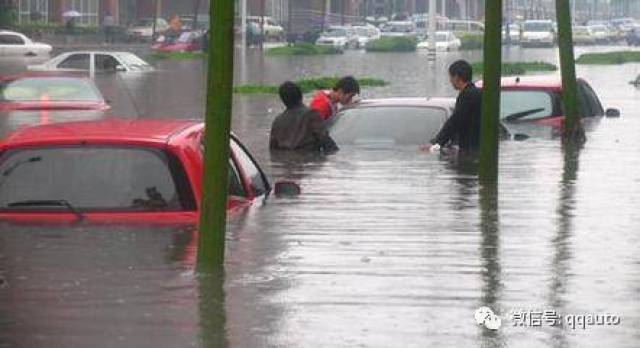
(458, 9)
(92, 11)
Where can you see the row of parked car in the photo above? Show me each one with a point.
(67, 162)
(530, 33)
(358, 36)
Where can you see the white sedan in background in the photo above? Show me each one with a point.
(445, 41)
(102, 61)
(366, 33)
(16, 44)
(143, 30)
(339, 37)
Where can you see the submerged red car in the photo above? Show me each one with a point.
(49, 92)
(538, 100)
(188, 41)
(43, 98)
(116, 171)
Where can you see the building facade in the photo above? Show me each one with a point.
(92, 11)
(302, 15)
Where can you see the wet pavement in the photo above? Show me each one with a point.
(384, 247)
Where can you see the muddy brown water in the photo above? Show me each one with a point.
(384, 247)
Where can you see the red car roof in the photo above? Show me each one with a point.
(549, 82)
(111, 131)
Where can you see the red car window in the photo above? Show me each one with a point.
(522, 105)
(250, 168)
(236, 188)
(93, 179)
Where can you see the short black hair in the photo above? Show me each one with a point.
(290, 94)
(348, 85)
(461, 69)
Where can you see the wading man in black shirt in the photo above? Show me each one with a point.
(464, 124)
(298, 127)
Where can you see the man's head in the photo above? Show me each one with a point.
(175, 23)
(346, 89)
(460, 74)
(290, 94)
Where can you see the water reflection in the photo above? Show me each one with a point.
(92, 286)
(490, 254)
(561, 243)
(211, 307)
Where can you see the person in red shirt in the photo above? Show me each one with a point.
(325, 103)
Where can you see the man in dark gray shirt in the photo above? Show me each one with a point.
(298, 127)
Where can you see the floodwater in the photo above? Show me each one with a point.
(384, 248)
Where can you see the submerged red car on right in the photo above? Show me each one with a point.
(538, 100)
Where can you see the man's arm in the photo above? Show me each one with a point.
(321, 134)
(273, 142)
(456, 121)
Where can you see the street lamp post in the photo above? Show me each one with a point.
(489, 130)
(572, 128)
(213, 211)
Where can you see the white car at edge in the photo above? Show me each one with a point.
(15, 44)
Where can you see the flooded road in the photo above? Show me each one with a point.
(384, 248)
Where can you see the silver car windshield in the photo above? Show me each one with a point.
(398, 125)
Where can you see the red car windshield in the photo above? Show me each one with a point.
(48, 89)
(93, 179)
(522, 105)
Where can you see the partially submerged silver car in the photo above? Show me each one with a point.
(101, 61)
(392, 121)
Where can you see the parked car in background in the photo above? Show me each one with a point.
(633, 37)
(514, 34)
(377, 21)
(445, 41)
(15, 44)
(117, 171)
(31, 99)
(339, 37)
(462, 27)
(272, 30)
(188, 41)
(366, 33)
(102, 61)
(623, 24)
(603, 34)
(143, 30)
(582, 35)
(537, 100)
(391, 122)
(399, 29)
(188, 21)
(422, 24)
(538, 33)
